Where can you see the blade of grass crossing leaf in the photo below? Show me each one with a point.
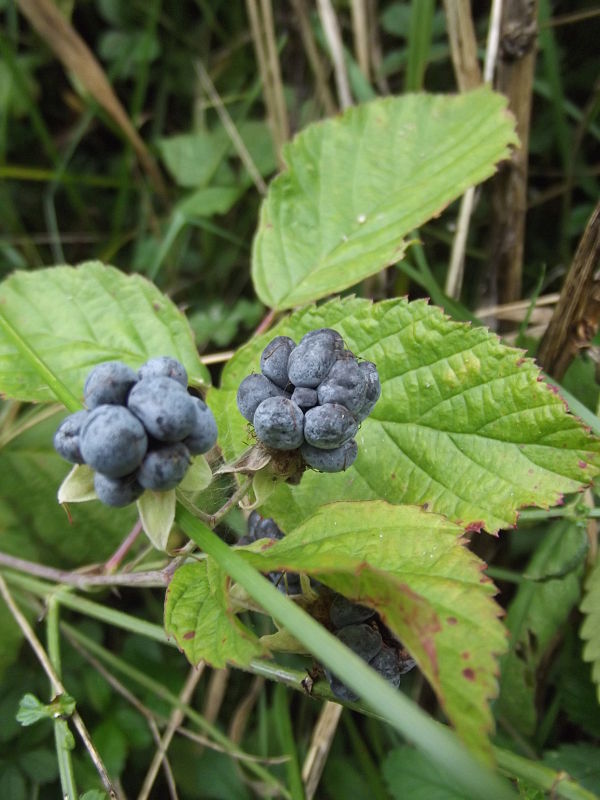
(56, 385)
(419, 43)
(63, 754)
(288, 743)
(437, 742)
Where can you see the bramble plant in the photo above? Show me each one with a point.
(378, 436)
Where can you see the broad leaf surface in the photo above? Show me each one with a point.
(408, 773)
(357, 184)
(32, 523)
(412, 568)
(464, 424)
(408, 564)
(580, 761)
(535, 616)
(75, 317)
(198, 615)
(157, 513)
(590, 630)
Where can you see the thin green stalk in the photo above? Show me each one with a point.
(419, 43)
(55, 384)
(88, 607)
(145, 681)
(364, 760)
(438, 743)
(63, 754)
(19, 172)
(288, 742)
(501, 574)
(540, 776)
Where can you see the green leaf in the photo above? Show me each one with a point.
(208, 201)
(11, 637)
(157, 513)
(198, 476)
(31, 474)
(397, 708)
(75, 317)
(32, 710)
(12, 782)
(590, 630)
(409, 774)
(112, 744)
(581, 761)
(464, 423)
(193, 158)
(412, 568)
(198, 615)
(535, 616)
(78, 486)
(357, 184)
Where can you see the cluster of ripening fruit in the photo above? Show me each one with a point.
(312, 395)
(140, 429)
(357, 626)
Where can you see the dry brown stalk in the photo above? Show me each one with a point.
(76, 56)
(576, 317)
(514, 78)
(360, 31)
(321, 742)
(314, 58)
(463, 44)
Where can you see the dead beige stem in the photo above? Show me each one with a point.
(576, 317)
(76, 56)
(321, 742)
(463, 44)
(516, 65)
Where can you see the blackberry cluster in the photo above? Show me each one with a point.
(140, 430)
(311, 396)
(361, 629)
(358, 627)
(266, 528)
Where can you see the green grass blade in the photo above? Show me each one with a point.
(419, 43)
(288, 743)
(437, 742)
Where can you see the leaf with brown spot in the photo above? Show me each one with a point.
(413, 568)
(198, 615)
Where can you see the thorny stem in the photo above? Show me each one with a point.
(149, 579)
(114, 561)
(80, 580)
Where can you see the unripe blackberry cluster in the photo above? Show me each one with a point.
(140, 430)
(361, 629)
(311, 396)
